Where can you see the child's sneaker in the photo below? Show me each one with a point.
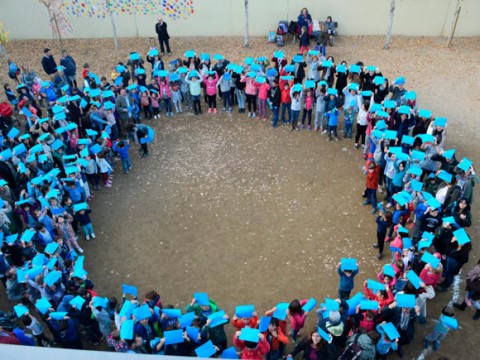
(209, 110)
(309, 128)
(215, 110)
(435, 345)
(336, 138)
(224, 109)
(302, 126)
(230, 109)
(108, 185)
(93, 235)
(80, 250)
(324, 132)
(87, 237)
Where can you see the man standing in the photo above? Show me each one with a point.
(70, 68)
(124, 106)
(163, 37)
(48, 63)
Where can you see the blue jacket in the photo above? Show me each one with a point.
(346, 282)
(69, 64)
(76, 194)
(122, 151)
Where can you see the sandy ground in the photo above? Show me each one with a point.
(251, 214)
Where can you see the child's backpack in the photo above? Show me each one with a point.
(280, 30)
(352, 351)
(271, 37)
(280, 41)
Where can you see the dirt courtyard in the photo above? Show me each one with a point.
(227, 205)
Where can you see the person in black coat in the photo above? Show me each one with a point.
(313, 342)
(275, 98)
(404, 321)
(48, 63)
(163, 37)
(70, 68)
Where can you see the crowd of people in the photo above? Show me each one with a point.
(73, 133)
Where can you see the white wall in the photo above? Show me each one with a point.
(226, 17)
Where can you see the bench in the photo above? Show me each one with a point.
(297, 29)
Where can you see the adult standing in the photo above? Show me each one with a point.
(163, 37)
(70, 68)
(305, 19)
(124, 106)
(48, 63)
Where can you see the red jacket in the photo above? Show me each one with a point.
(381, 303)
(430, 278)
(372, 178)
(258, 353)
(239, 324)
(275, 343)
(286, 99)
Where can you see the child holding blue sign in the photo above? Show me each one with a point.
(347, 270)
(297, 317)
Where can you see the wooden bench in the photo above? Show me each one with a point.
(297, 30)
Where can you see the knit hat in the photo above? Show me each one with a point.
(334, 316)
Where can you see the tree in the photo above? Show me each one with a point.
(246, 23)
(390, 25)
(4, 35)
(59, 24)
(114, 28)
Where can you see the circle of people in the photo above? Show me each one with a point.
(48, 172)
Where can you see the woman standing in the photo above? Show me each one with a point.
(304, 19)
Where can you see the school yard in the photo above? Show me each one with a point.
(227, 205)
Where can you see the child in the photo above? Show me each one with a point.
(224, 86)
(166, 95)
(276, 339)
(320, 93)
(250, 349)
(307, 104)
(176, 96)
(84, 219)
(185, 91)
(295, 107)
(372, 185)
(145, 102)
(240, 323)
(297, 317)
(349, 118)
(384, 297)
(143, 135)
(274, 98)
(384, 220)
(346, 284)
(63, 225)
(155, 104)
(262, 100)
(103, 318)
(195, 92)
(32, 324)
(122, 147)
(286, 100)
(332, 123)
(211, 91)
(440, 331)
(385, 344)
(251, 94)
(104, 168)
(304, 40)
(330, 104)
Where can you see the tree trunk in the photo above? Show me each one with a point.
(3, 51)
(114, 28)
(246, 24)
(59, 35)
(390, 25)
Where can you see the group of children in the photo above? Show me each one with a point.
(49, 170)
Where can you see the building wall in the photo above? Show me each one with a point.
(226, 17)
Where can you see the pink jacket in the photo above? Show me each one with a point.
(297, 321)
(250, 87)
(263, 91)
(164, 87)
(210, 86)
